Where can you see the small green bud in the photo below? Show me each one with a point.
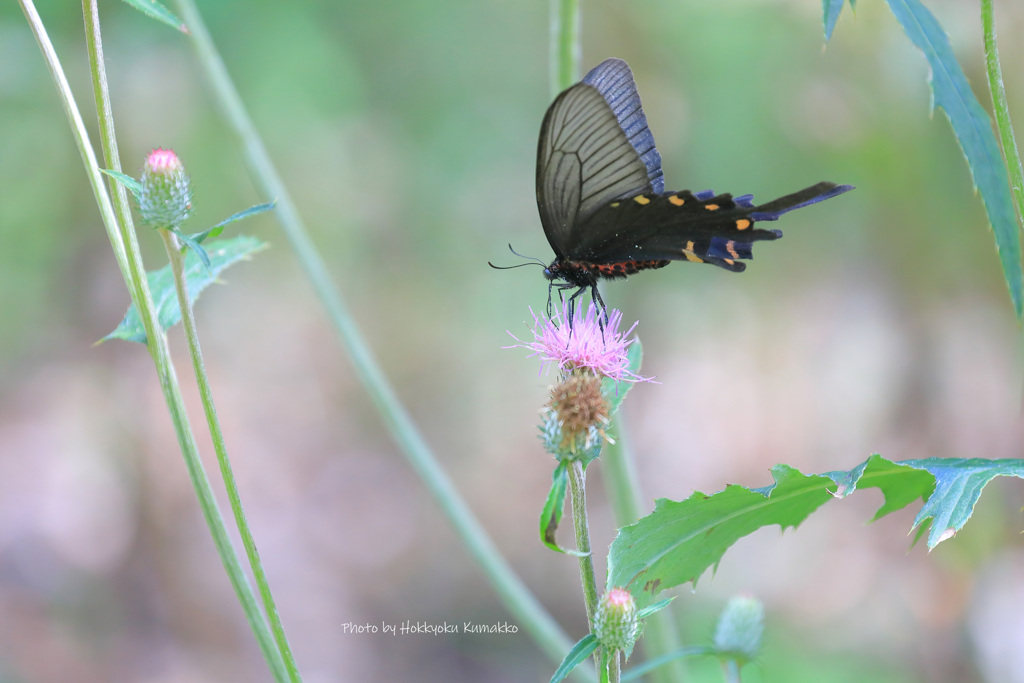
(166, 197)
(615, 624)
(738, 634)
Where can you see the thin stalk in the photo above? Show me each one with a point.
(661, 636)
(516, 597)
(619, 475)
(614, 666)
(130, 265)
(177, 260)
(578, 491)
(565, 43)
(1001, 108)
(731, 671)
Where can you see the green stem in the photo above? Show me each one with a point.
(177, 260)
(565, 43)
(620, 479)
(731, 670)
(509, 587)
(1001, 108)
(578, 491)
(614, 666)
(661, 636)
(130, 264)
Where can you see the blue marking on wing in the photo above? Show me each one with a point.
(614, 80)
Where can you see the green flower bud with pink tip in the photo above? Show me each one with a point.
(615, 624)
(166, 197)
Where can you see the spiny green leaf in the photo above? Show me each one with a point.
(831, 10)
(899, 483)
(153, 9)
(973, 129)
(958, 486)
(679, 541)
(577, 655)
(223, 253)
(133, 185)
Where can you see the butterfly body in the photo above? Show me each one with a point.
(601, 196)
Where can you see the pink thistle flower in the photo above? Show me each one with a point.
(582, 344)
(163, 160)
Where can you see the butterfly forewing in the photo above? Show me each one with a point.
(584, 160)
(614, 80)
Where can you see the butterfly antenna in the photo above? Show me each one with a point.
(530, 261)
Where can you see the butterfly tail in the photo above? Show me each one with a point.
(798, 200)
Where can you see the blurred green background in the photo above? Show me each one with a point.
(407, 133)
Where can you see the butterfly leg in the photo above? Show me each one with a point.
(602, 316)
(572, 305)
(560, 287)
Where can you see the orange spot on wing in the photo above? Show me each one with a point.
(711, 207)
(678, 201)
(641, 200)
(730, 247)
(690, 256)
(742, 224)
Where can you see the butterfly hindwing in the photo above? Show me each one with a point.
(679, 226)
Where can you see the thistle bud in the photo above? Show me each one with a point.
(738, 634)
(166, 197)
(615, 624)
(581, 410)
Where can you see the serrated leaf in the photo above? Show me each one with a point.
(154, 10)
(223, 254)
(973, 129)
(900, 484)
(577, 655)
(958, 486)
(133, 185)
(679, 541)
(831, 10)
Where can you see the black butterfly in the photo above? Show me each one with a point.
(602, 198)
